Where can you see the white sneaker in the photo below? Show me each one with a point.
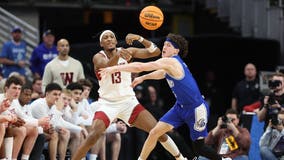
(227, 158)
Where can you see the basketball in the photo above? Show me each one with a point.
(151, 17)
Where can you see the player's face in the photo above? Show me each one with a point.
(76, 95)
(108, 41)
(86, 91)
(169, 50)
(66, 99)
(52, 96)
(13, 91)
(25, 96)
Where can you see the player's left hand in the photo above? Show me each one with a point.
(125, 54)
(136, 81)
(105, 71)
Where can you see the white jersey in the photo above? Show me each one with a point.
(116, 86)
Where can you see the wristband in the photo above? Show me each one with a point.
(152, 48)
(141, 39)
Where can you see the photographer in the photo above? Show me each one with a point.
(272, 141)
(229, 139)
(272, 104)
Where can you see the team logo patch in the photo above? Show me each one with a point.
(200, 125)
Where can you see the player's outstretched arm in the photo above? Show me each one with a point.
(159, 74)
(150, 50)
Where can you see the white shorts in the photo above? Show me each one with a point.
(119, 109)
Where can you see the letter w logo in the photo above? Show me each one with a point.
(67, 77)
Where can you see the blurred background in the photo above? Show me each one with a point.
(224, 35)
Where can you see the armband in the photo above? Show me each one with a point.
(152, 48)
(141, 39)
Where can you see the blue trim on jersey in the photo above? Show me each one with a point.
(185, 89)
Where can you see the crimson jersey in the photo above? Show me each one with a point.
(115, 86)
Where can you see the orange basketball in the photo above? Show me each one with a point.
(151, 17)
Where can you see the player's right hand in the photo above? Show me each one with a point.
(136, 81)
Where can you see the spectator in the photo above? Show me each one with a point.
(247, 91)
(63, 69)
(43, 54)
(13, 55)
(272, 103)
(37, 90)
(272, 141)
(228, 138)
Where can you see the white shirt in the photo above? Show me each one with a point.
(41, 109)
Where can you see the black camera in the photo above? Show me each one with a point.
(225, 120)
(275, 120)
(272, 84)
(271, 100)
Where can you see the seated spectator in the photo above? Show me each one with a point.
(229, 139)
(37, 90)
(272, 141)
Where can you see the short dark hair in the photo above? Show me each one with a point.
(26, 86)
(232, 111)
(13, 79)
(181, 42)
(52, 86)
(75, 85)
(85, 82)
(36, 79)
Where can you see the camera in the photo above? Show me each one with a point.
(275, 120)
(271, 100)
(225, 120)
(272, 84)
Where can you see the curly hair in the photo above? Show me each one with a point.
(181, 42)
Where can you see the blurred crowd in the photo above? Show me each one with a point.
(48, 115)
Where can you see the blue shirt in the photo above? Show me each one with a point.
(41, 56)
(185, 89)
(14, 52)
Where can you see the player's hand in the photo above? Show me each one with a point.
(131, 37)
(44, 121)
(106, 71)
(137, 81)
(84, 132)
(4, 105)
(59, 104)
(125, 54)
(20, 122)
(21, 63)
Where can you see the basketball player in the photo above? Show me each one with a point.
(190, 107)
(117, 98)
